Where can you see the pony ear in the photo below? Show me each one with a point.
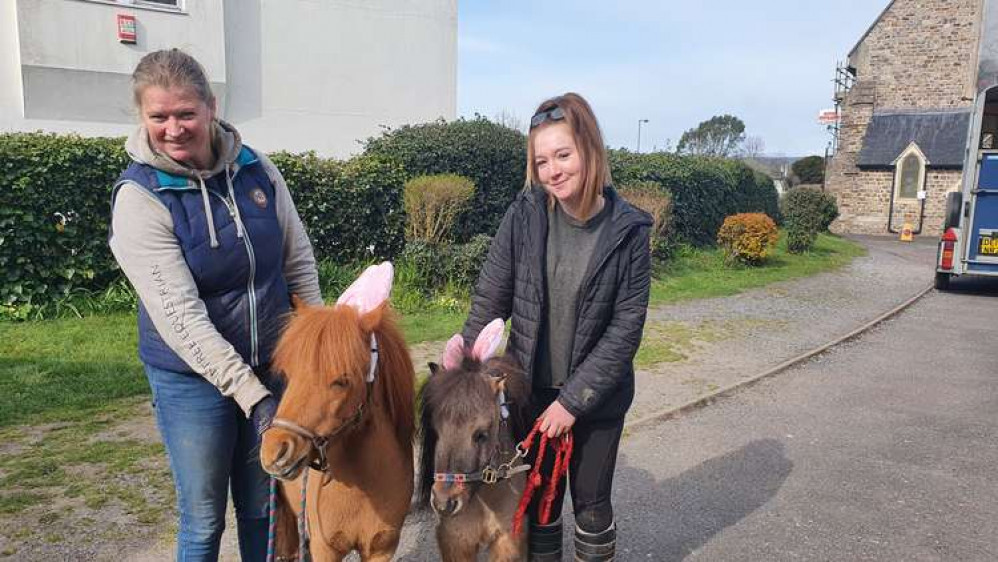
(453, 352)
(488, 340)
(296, 303)
(370, 290)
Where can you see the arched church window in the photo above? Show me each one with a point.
(909, 174)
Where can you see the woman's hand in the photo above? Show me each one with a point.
(556, 420)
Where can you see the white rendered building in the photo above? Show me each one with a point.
(290, 74)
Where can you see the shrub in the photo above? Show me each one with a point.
(465, 261)
(806, 212)
(657, 202)
(432, 203)
(747, 238)
(426, 263)
(352, 210)
(434, 267)
(490, 155)
(810, 169)
(55, 194)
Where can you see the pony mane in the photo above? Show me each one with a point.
(462, 393)
(329, 339)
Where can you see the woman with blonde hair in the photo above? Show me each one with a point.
(205, 230)
(570, 266)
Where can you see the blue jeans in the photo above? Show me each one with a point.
(211, 445)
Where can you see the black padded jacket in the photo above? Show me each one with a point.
(612, 305)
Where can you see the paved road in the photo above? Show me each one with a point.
(883, 449)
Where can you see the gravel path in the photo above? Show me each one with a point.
(756, 330)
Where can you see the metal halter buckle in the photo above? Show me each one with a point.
(489, 475)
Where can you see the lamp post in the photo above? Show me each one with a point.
(640, 121)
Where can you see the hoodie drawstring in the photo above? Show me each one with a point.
(207, 211)
(232, 197)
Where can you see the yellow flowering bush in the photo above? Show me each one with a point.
(747, 238)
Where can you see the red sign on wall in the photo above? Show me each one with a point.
(126, 29)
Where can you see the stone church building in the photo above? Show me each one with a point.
(904, 117)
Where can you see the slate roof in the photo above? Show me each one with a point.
(941, 136)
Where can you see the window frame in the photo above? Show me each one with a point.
(923, 168)
(179, 8)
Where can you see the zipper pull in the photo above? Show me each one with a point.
(235, 217)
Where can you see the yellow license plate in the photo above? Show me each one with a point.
(988, 246)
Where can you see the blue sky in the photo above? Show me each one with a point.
(771, 63)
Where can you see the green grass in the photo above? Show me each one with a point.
(67, 369)
(697, 274)
(431, 325)
(668, 342)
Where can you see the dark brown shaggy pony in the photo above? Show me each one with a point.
(363, 429)
(465, 433)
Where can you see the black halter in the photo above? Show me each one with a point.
(491, 474)
(320, 442)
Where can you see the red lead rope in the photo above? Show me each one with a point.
(563, 454)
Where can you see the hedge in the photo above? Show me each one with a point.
(55, 206)
(704, 190)
(490, 155)
(352, 210)
(55, 194)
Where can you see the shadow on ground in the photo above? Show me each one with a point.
(670, 519)
(973, 285)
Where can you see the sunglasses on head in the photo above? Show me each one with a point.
(553, 114)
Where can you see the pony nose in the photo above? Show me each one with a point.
(446, 505)
(279, 456)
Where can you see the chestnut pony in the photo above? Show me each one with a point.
(347, 416)
(473, 416)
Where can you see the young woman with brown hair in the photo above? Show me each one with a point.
(570, 266)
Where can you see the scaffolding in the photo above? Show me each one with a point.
(845, 77)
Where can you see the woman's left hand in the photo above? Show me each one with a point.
(556, 420)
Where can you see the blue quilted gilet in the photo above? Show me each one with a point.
(241, 281)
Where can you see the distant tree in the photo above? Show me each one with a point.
(510, 120)
(810, 169)
(752, 147)
(720, 135)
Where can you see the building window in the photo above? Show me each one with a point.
(909, 174)
(161, 5)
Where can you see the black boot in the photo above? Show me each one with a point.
(544, 542)
(596, 547)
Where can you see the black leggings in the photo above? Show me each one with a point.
(594, 457)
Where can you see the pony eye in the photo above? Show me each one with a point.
(340, 382)
(480, 436)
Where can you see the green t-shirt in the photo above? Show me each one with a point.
(570, 247)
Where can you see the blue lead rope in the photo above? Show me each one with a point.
(304, 555)
(272, 519)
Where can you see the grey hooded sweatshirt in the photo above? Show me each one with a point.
(143, 242)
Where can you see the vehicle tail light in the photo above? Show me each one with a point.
(949, 242)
